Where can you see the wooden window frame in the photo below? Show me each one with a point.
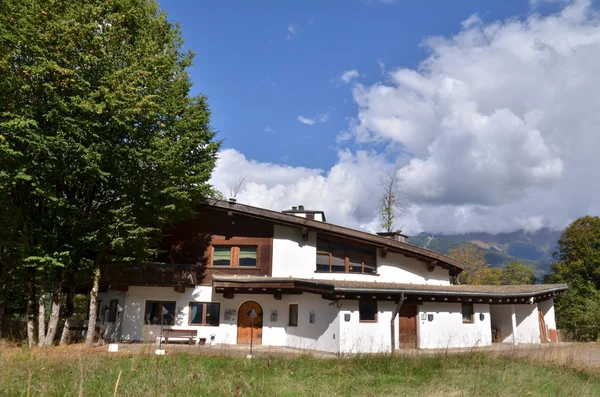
(290, 314)
(462, 305)
(204, 306)
(113, 310)
(347, 259)
(373, 301)
(161, 318)
(234, 262)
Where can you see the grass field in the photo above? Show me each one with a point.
(79, 372)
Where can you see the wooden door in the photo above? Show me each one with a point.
(245, 328)
(408, 326)
(543, 335)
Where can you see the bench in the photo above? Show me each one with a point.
(179, 335)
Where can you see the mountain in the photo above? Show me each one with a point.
(533, 249)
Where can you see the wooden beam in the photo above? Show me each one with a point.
(228, 294)
(179, 288)
(277, 295)
(384, 252)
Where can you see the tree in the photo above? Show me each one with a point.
(101, 144)
(474, 259)
(516, 273)
(577, 263)
(394, 200)
(479, 272)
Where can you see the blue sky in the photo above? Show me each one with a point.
(264, 63)
(486, 109)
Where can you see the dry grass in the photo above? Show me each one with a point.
(566, 370)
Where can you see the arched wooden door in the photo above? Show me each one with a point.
(245, 323)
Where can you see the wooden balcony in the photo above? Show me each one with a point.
(121, 276)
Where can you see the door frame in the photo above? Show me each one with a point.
(239, 317)
(416, 317)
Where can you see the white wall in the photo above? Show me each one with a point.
(502, 320)
(366, 337)
(401, 269)
(447, 329)
(528, 327)
(294, 257)
(547, 307)
(112, 330)
(323, 334)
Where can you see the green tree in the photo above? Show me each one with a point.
(474, 259)
(516, 273)
(101, 144)
(577, 263)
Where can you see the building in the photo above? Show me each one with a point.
(312, 285)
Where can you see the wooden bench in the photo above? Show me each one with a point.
(179, 335)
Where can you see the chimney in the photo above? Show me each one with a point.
(232, 200)
(396, 236)
(294, 208)
(300, 208)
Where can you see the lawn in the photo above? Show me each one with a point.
(73, 372)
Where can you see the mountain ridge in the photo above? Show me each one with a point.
(533, 249)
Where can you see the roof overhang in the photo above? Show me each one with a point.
(336, 289)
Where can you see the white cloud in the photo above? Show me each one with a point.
(349, 75)
(495, 130)
(292, 30)
(344, 192)
(500, 121)
(321, 118)
(269, 129)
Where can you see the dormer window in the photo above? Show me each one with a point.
(338, 257)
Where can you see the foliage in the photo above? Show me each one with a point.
(473, 374)
(101, 144)
(516, 273)
(479, 272)
(578, 264)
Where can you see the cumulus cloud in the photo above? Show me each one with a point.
(292, 30)
(348, 76)
(345, 191)
(495, 130)
(320, 118)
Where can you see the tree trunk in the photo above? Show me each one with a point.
(64, 338)
(31, 307)
(89, 339)
(54, 313)
(42, 314)
(5, 285)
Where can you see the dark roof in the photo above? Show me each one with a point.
(506, 291)
(453, 265)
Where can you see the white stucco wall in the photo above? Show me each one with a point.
(400, 269)
(447, 329)
(528, 327)
(547, 307)
(366, 337)
(502, 320)
(321, 335)
(294, 257)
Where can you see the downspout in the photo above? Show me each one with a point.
(392, 322)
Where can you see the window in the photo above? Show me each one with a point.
(293, 322)
(154, 313)
(204, 314)
(367, 310)
(98, 310)
(336, 257)
(222, 256)
(247, 257)
(112, 310)
(234, 256)
(467, 312)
